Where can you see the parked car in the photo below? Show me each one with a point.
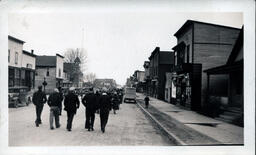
(19, 96)
(130, 94)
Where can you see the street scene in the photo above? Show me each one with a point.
(102, 79)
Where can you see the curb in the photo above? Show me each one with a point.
(169, 134)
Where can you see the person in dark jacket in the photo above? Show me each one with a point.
(115, 102)
(146, 99)
(39, 99)
(97, 95)
(61, 96)
(71, 103)
(89, 101)
(105, 107)
(54, 102)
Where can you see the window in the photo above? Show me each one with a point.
(187, 55)
(16, 57)
(47, 72)
(175, 57)
(59, 72)
(9, 52)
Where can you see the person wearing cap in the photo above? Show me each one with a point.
(105, 107)
(54, 102)
(71, 103)
(115, 102)
(39, 99)
(89, 101)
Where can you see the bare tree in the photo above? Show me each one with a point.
(71, 54)
(90, 77)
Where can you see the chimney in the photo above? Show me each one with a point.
(32, 51)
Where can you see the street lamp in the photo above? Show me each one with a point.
(44, 84)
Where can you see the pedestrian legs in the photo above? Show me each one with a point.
(87, 116)
(69, 121)
(39, 110)
(103, 119)
(92, 118)
(54, 113)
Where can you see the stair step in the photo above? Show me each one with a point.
(223, 120)
(234, 109)
(229, 113)
(227, 117)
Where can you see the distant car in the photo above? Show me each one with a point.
(19, 96)
(130, 94)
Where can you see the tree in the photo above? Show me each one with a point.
(90, 77)
(71, 54)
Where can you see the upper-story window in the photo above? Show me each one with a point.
(175, 58)
(47, 72)
(9, 52)
(59, 72)
(16, 57)
(186, 56)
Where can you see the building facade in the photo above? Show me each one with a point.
(21, 65)
(50, 70)
(229, 107)
(199, 46)
(160, 62)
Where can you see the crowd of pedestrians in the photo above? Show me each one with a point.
(101, 102)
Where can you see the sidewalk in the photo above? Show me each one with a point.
(197, 129)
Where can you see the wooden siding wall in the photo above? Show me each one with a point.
(212, 46)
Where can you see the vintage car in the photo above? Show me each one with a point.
(19, 96)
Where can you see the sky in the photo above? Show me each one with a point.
(117, 42)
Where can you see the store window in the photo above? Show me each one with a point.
(59, 72)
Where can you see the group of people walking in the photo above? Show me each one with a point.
(101, 102)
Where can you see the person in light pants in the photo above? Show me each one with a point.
(54, 103)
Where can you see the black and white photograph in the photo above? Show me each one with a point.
(112, 77)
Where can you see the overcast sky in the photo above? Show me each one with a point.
(117, 42)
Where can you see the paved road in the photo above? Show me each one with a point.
(128, 127)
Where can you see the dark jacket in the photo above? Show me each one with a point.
(71, 102)
(55, 99)
(105, 103)
(89, 101)
(115, 102)
(39, 98)
(146, 99)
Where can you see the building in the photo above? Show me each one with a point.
(105, 83)
(168, 87)
(21, 64)
(147, 77)
(228, 102)
(160, 62)
(139, 79)
(49, 69)
(199, 46)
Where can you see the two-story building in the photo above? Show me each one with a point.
(200, 46)
(231, 109)
(160, 62)
(50, 70)
(139, 77)
(21, 64)
(147, 77)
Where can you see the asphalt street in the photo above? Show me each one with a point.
(129, 127)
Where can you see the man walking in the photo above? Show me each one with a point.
(146, 99)
(71, 104)
(61, 96)
(54, 102)
(89, 101)
(105, 107)
(39, 98)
